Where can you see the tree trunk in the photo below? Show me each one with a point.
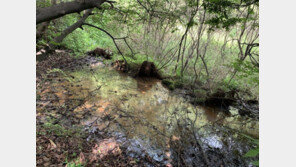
(73, 27)
(61, 9)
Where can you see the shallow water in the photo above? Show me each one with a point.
(144, 115)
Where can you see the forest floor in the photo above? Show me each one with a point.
(63, 141)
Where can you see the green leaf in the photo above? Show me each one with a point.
(252, 153)
(256, 141)
(54, 43)
(256, 163)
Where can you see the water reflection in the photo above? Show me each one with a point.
(145, 101)
(145, 84)
(214, 114)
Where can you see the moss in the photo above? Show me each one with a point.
(200, 92)
(199, 100)
(179, 84)
(169, 84)
(173, 84)
(200, 95)
(61, 131)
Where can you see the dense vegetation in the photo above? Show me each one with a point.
(211, 44)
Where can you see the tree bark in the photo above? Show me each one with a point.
(73, 27)
(61, 9)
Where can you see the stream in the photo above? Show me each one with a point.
(146, 118)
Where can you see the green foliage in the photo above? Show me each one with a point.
(201, 95)
(54, 43)
(41, 42)
(43, 3)
(256, 163)
(169, 84)
(61, 131)
(246, 70)
(222, 22)
(173, 84)
(79, 41)
(135, 60)
(253, 152)
(191, 23)
(191, 3)
(223, 12)
(73, 164)
(144, 30)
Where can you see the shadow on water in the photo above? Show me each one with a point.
(215, 114)
(145, 84)
(211, 113)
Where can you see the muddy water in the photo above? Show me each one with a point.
(144, 115)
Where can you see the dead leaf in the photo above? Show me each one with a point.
(133, 162)
(174, 138)
(52, 144)
(81, 158)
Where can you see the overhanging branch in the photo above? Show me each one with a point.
(61, 9)
(113, 39)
